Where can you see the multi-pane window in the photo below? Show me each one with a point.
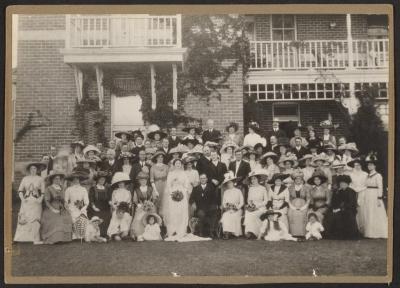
(297, 91)
(380, 87)
(283, 27)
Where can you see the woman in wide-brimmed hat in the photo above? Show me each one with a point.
(273, 228)
(92, 152)
(253, 137)
(374, 215)
(144, 200)
(158, 179)
(30, 191)
(307, 168)
(314, 142)
(77, 150)
(120, 193)
(299, 200)
(90, 165)
(77, 198)
(268, 162)
(124, 164)
(327, 137)
(56, 222)
(252, 157)
(330, 151)
(321, 162)
(227, 152)
(99, 198)
(232, 203)
(287, 163)
(278, 195)
(257, 198)
(232, 134)
(320, 195)
(193, 133)
(349, 151)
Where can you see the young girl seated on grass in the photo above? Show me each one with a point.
(120, 223)
(272, 229)
(152, 231)
(92, 233)
(313, 228)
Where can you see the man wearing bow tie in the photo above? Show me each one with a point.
(211, 134)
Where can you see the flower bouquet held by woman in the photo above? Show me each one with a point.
(177, 195)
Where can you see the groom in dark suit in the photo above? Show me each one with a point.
(204, 202)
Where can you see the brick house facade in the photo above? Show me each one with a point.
(51, 62)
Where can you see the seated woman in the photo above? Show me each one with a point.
(344, 210)
(99, 198)
(278, 197)
(272, 228)
(56, 222)
(257, 199)
(287, 163)
(232, 203)
(299, 199)
(120, 193)
(30, 192)
(120, 222)
(320, 195)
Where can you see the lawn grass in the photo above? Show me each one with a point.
(211, 258)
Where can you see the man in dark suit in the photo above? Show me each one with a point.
(211, 134)
(204, 161)
(173, 139)
(138, 166)
(110, 164)
(204, 202)
(276, 131)
(216, 170)
(298, 149)
(240, 168)
(138, 147)
(273, 145)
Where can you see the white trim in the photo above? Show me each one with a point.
(42, 35)
(100, 90)
(295, 26)
(174, 86)
(153, 87)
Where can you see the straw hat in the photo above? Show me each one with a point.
(337, 164)
(261, 174)
(189, 159)
(155, 155)
(276, 176)
(145, 218)
(317, 174)
(96, 218)
(269, 212)
(120, 177)
(320, 157)
(119, 134)
(78, 142)
(297, 173)
(234, 125)
(271, 155)
(289, 157)
(39, 165)
(151, 150)
(53, 174)
(89, 148)
(352, 147)
(229, 176)
(305, 157)
(326, 124)
(188, 140)
(198, 149)
(354, 161)
(228, 144)
(211, 144)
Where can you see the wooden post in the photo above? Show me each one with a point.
(174, 86)
(153, 87)
(100, 90)
(78, 83)
(179, 30)
(349, 41)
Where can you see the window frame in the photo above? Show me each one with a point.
(298, 119)
(283, 27)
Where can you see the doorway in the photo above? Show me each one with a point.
(288, 116)
(125, 113)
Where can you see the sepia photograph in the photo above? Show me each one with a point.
(252, 143)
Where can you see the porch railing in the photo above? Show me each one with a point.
(319, 54)
(137, 30)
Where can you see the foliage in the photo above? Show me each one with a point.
(99, 125)
(30, 124)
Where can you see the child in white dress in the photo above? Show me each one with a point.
(314, 228)
(92, 233)
(152, 231)
(272, 229)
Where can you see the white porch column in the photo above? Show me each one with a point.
(179, 30)
(153, 87)
(174, 86)
(349, 40)
(100, 90)
(78, 83)
(68, 31)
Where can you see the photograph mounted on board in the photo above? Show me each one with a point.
(165, 147)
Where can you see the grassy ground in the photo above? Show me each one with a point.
(232, 257)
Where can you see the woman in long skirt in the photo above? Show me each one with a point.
(374, 217)
(278, 196)
(30, 192)
(56, 222)
(158, 179)
(257, 199)
(299, 200)
(232, 203)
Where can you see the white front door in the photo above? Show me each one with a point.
(125, 113)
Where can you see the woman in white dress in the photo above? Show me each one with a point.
(358, 184)
(227, 152)
(232, 203)
(278, 196)
(177, 193)
(77, 198)
(253, 137)
(268, 162)
(375, 219)
(31, 192)
(192, 174)
(257, 199)
(252, 155)
(307, 169)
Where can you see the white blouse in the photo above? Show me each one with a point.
(233, 196)
(252, 139)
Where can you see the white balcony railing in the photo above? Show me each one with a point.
(319, 54)
(123, 31)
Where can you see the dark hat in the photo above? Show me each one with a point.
(190, 127)
(269, 212)
(155, 155)
(255, 126)
(78, 143)
(146, 217)
(234, 125)
(343, 178)
(151, 135)
(330, 147)
(101, 174)
(137, 133)
(317, 174)
(312, 214)
(78, 172)
(258, 145)
(177, 159)
(276, 176)
(39, 165)
(53, 174)
(354, 161)
(186, 141)
(371, 158)
(119, 134)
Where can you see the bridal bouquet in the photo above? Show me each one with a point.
(148, 206)
(251, 207)
(79, 204)
(230, 206)
(177, 195)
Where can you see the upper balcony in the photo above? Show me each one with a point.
(320, 54)
(123, 38)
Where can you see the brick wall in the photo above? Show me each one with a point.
(41, 22)
(311, 113)
(316, 27)
(228, 109)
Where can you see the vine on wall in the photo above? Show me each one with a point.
(35, 120)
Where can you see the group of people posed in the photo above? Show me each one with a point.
(154, 185)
